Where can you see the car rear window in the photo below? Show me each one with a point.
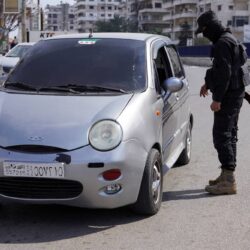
(18, 51)
(114, 63)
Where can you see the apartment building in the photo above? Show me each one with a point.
(90, 11)
(33, 16)
(232, 13)
(181, 17)
(61, 17)
(148, 13)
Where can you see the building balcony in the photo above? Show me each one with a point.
(86, 3)
(167, 17)
(185, 15)
(241, 13)
(181, 2)
(167, 30)
(80, 11)
(171, 4)
(152, 11)
(168, 4)
(154, 21)
(86, 18)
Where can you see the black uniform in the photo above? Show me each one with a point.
(227, 88)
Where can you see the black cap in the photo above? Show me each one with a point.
(204, 19)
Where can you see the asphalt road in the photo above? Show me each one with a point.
(189, 217)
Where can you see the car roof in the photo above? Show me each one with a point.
(26, 44)
(117, 35)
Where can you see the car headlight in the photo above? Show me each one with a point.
(105, 135)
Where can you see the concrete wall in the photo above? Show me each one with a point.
(200, 61)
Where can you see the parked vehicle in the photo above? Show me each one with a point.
(9, 61)
(94, 121)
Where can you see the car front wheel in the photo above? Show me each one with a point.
(185, 156)
(150, 195)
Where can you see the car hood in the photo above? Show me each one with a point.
(54, 121)
(9, 62)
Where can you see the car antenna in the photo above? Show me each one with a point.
(90, 33)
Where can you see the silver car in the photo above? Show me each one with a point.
(94, 120)
(9, 61)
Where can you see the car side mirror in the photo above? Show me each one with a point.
(172, 84)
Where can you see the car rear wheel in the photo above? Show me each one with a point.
(150, 195)
(185, 156)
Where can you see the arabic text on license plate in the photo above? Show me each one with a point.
(52, 170)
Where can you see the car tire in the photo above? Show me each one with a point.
(185, 155)
(150, 194)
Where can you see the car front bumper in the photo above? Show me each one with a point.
(129, 157)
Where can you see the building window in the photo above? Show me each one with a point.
(91, 14)
(109, 8)
(102, 15)
(219, 7)
(229, 22)
(230, 7)
(102, 8)
(110, 15)
(91, 7)
(239, 21)
(157, 5)
(54, 15)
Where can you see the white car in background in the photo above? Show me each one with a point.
(10, 60)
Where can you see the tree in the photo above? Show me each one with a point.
(8, 23)
(118, 24)
(185, 34)
(201, 41)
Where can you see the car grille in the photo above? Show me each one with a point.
(39, 188)
(35, 149)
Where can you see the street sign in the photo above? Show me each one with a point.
(11, 6)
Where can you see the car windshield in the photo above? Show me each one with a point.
(114, 64)
(18, 51)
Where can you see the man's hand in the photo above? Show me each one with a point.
(204, 91)
(215, 106)
(247, 97)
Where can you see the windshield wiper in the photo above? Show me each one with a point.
(94, 88)
(19, 85)
(60, 89)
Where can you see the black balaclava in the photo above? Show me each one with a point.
(213, 31)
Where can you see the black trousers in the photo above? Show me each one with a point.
(225, 130)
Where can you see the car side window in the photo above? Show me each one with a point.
(175, 61)
(162, 68)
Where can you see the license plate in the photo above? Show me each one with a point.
(41, 170)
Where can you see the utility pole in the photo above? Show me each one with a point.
(23, 20)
